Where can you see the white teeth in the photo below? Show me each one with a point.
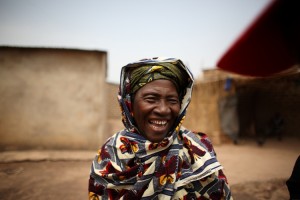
(159, 122)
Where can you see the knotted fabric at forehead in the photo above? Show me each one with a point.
(140, 76)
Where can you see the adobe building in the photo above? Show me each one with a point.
(114, 118)
(246, 106)
(203, 114)
(52, 98)
(262, 99)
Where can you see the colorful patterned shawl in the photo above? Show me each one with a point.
(182, 166)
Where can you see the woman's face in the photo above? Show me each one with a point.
(155, 109)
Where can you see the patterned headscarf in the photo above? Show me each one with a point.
(142, 75)
(136, 75)
(182, 166)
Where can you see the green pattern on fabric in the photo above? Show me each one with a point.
(142, 75)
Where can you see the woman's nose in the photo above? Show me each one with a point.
(163, 108)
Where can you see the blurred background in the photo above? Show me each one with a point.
(60, 63)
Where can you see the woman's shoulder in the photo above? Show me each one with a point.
(204, 138)
(198, 137)
(199, 134)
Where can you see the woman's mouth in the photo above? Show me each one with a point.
(159, 123)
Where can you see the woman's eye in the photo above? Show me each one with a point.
(173, 101)
(150, 99)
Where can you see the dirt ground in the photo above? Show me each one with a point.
(254, 172)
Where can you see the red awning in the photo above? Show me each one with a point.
(269, 45)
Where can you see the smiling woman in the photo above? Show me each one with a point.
(155, 157)
(155, 108)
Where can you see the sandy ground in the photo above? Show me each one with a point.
(253, 172)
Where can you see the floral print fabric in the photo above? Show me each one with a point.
(183, 166)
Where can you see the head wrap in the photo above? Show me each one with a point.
(140, 76)
(137, 74)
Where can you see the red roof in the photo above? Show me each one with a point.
(269, 45)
